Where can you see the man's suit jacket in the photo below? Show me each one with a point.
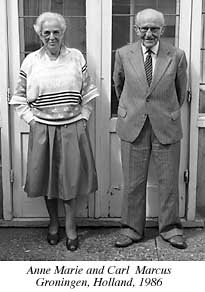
(161, 101)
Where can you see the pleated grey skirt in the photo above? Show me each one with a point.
(60, 162)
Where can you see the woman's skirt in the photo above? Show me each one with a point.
(60, 161)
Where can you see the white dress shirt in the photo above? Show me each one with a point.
(153, 54)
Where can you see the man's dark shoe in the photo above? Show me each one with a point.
(125, 241)
(178, 241)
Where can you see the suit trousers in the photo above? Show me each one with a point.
(135, 164)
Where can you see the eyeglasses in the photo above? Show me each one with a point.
(153, 29)
(47, 33)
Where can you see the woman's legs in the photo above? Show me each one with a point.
(70, 225)
(52, 207)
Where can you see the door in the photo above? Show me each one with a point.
(197, 122)
(5, 161)
(22, 40)
(117, 31)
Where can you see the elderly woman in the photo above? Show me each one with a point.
(54, 95)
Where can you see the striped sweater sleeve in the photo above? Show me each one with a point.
(89, 91)
(19, 99)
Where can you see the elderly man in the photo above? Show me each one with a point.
(150, 81)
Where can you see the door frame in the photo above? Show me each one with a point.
(93, 43)
(103, 112)
(102, 75)
(5, 122)
(185, 44)
(196, 120)
(105, 125)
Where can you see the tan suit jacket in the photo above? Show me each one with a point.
(161, 101)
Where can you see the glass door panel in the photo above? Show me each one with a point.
(74, 12)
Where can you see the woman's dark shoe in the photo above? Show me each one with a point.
(72, 244)
(53, 239)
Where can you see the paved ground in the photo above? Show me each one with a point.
(28, 244)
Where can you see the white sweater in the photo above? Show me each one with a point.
(54, 92)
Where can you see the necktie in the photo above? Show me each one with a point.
(148, 66)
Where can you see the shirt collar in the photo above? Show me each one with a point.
(64, 50)
(154, 49)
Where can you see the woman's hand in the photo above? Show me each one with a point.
(32, 123)
(84, 123)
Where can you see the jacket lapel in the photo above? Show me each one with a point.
(136, 61)
(163, 61)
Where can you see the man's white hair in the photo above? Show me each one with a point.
(159, 14)
(48, 16)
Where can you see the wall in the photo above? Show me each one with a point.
(1, 190)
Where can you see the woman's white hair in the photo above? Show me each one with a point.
(47, 16)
